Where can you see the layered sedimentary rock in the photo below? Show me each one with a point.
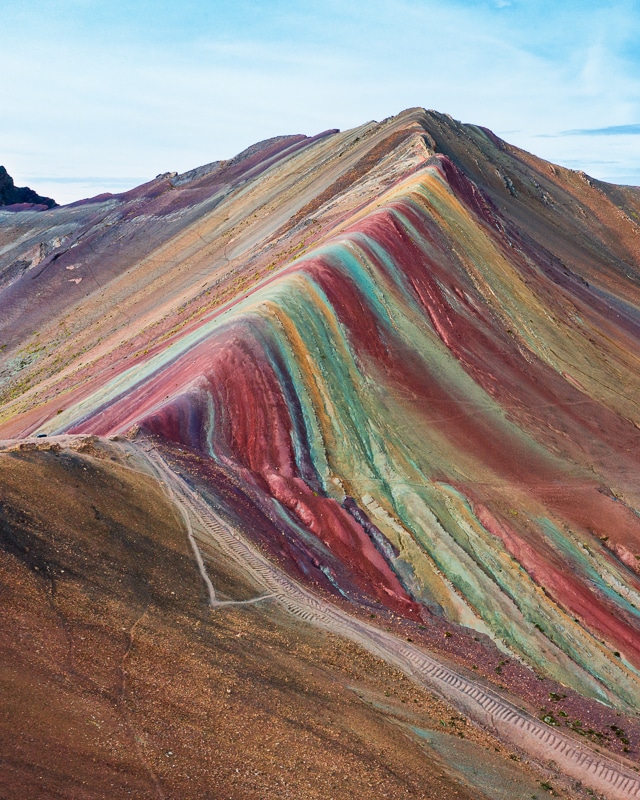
(403, 358)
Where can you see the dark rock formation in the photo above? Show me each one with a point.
(10, 194)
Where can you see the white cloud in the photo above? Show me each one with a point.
(108, 104)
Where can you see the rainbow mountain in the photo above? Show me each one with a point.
(403, 360)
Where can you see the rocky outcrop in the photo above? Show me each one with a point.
(12, 195)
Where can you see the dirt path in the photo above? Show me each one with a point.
(484, 706)
(161, 470)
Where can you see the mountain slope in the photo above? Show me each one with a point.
(403, 359)
(117, 679)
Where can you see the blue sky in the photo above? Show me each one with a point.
(99, 95)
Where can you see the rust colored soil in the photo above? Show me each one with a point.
(119, 681)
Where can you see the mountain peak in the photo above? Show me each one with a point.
(388, 381)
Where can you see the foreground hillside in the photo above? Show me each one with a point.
(117, 679)
(402, 362)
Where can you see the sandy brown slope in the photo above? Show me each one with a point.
(118, 681)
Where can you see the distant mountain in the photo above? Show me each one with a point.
(11, 195)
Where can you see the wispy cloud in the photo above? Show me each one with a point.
(137, 89)
(105, 180)
(610, 130)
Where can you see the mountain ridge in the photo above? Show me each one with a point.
(401, 359)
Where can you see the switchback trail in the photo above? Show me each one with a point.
(484, 706)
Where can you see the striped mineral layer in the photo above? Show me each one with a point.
(404, 359)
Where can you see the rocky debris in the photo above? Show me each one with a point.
(586, 178)
(509, 184)
(12, 195)
(194, 174)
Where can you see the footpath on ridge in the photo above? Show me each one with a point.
(485, 707)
